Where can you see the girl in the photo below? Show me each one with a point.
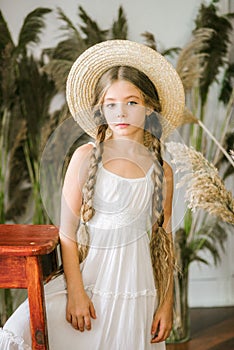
(115, 229)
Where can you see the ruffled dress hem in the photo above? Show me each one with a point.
(8, 340)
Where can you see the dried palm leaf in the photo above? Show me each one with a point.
(93, 33)
(58, 69)
(68, 24)
(8, 84)
(36, 91)
(217, 45)
(227, 84)
(5, 35)
(171, 52)
(32, 27)
(17, 185)
(119, 28)
(150, 40)
(47, 129)
(190, 64)
(205, 189)
(68, 49)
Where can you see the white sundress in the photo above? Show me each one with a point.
(117, 275)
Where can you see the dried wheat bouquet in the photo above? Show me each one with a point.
(205, 189)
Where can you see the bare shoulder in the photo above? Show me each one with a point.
(79, 163)
(82, 152)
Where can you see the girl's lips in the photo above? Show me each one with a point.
(122, 125)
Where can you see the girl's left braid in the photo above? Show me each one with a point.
(87, 211)
(161, 247)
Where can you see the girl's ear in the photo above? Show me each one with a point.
(148, 111)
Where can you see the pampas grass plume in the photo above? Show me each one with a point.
(205, 189)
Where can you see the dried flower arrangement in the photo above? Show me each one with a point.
(204, 187)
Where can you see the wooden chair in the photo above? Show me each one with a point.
(28, 258)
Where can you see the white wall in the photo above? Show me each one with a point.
(171, 22)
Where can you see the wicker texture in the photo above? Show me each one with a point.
(91, 64)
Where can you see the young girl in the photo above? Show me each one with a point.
(115, 231)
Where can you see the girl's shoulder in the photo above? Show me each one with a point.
(80, 158)
(82, 152)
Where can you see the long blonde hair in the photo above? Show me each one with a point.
(161, 247)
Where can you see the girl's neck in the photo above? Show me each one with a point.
(133, 139)
(123, 147)
(126, 158)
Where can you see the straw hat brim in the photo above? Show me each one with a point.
(91, 64)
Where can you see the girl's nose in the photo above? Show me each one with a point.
(121, 112)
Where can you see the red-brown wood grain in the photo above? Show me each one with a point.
(24, 240)
(12, 272)
(36, 304)
(22, 248)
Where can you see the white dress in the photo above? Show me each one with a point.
(117, 275)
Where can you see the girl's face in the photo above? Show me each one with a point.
(124, 110)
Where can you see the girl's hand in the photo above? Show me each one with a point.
(80, 309)
(162, 323)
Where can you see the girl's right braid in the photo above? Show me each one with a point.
(87, 211)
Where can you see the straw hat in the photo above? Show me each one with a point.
(92, 63)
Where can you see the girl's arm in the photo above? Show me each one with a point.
(79, 307)
(163, 318)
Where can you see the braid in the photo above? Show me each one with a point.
(158, 173)
(161, 248)
(87, 211)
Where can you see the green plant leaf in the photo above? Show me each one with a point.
(188, 219)
(210, 237)
(200, 259)
(205, 244)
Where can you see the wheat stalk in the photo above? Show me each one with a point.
(205, 189)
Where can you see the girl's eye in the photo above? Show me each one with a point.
(110, 105)
(132, 103)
